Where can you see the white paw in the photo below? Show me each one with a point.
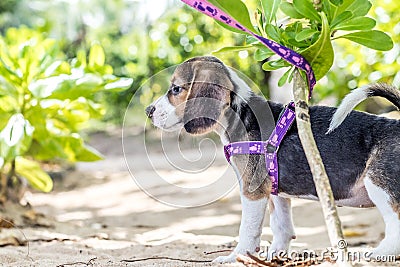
(239, 250)
(226, 259)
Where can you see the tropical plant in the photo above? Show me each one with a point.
(357, 65)
(45, 101)
(309, 29)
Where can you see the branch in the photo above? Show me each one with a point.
(324, 191)
(90, 262)
(217, 251)
(166, 258)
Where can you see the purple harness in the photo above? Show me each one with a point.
(271, 146)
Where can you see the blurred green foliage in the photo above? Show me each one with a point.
(356, 65)
(309, 30)
(45, 101)
(139, 43)
(136, 45)
(176, 36)
(7, 5)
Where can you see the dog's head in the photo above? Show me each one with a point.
(196, 99)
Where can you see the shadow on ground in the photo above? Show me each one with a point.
(101, 217)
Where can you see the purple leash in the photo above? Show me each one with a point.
(271, 146)
(287, 54)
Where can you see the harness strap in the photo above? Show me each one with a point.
(269, 148)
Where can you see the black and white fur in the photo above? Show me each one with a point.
(361, 152)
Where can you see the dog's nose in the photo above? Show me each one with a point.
(150, 110)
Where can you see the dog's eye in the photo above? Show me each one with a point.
(175, 90)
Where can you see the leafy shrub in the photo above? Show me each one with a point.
(310, 31)
(45, 100)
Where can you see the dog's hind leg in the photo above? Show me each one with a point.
(390, 245)
(382, 183)
(281, 225)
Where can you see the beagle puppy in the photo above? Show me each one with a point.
(361, 152)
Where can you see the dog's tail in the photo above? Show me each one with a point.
(358, 95)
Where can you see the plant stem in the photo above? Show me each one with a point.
(3, 186)
(324, 191)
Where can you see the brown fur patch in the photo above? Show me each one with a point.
(201, 77)
(178, 101)
(259, 193)
(396, 208)
(271, 205)
(255, 182)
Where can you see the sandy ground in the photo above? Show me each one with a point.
(99, 216)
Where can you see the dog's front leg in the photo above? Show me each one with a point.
(251, 225)
(281, 225)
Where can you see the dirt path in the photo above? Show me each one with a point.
(101, 217)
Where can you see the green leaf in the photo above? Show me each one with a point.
(357, 24)
(270, 8)
(359, 8)
(88, 154)
(320, 55)
(233, 49)
(329, 9)
(16, 137)
(67, 86)
(8, 73)
(32, 172)
(376, 40)
(4, 118)
(336, 2)
(45, 87)
(273, 32)
(341, 18)
(75, 112)
(274, 65)
(96, 55)
(284, 78)
(229, 28)
(251, 40)
(118, 85)
(306, 8)
(81, 58)
(289, 10)
(262, 54)
(76, 150)
(305, 34)
(237, 10)
(57, 67)
(9, 104)
(8, 88)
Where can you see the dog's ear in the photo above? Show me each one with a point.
(207, 99)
